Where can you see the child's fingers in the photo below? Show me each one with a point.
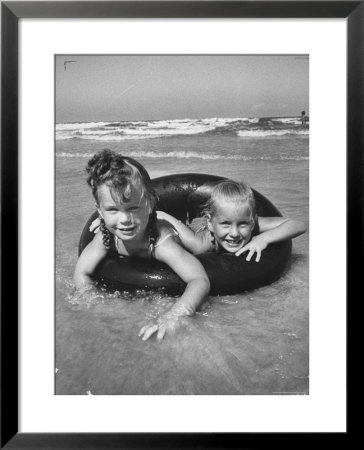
(149, 332)
(95, 225)
(242, 250)
(142, 331)
(259, 253)
(161, 333)
(145, 328)
(251, 253)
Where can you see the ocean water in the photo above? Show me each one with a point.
(251, 343)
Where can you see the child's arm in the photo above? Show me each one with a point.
(88, 261)
(190, 240)
(272, 229)
(192, 272)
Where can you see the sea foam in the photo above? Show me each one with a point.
(252, 127)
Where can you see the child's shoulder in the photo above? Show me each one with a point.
(96, 245)
(105, 240)
(98, 239)
(166, 231)
(165, 228)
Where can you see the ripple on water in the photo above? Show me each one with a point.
(250, 343)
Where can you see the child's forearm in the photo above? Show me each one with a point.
(198, 285)
(186, 306)
(286, 230)
(88, 261)
(82, 280)
(195, 293)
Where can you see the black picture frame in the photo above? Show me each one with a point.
(11, 12)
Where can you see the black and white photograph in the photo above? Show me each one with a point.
(182, 224)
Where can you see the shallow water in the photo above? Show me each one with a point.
(251, 343)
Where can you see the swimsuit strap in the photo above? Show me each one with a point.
(115, 247)
(164, 238)
(116, 240)
(153, 246)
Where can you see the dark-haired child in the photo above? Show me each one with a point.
(126, 203)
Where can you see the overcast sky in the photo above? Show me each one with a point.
(116, 88)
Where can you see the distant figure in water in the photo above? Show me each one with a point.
(304, 118)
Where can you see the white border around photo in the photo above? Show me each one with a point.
(324, 409)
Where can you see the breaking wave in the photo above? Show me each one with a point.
(252, 127)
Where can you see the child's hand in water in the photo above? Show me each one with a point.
(256, 245)
(168, 323)
(94, 227)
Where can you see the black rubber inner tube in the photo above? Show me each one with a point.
(182, 196)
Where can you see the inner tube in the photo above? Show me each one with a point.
(182, 196)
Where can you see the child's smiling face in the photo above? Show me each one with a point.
(232, 225)
(126, 220)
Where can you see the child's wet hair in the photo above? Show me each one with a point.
(230, 191)
(120, 173)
